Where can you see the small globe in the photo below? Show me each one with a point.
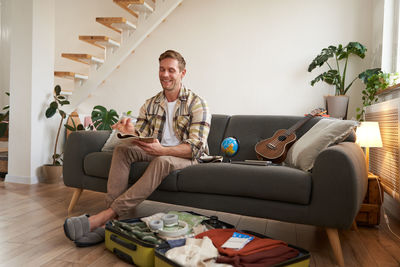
(230, 146)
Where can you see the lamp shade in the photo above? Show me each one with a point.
(368, 134)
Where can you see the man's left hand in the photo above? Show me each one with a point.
(155, 148)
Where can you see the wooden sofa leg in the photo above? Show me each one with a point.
(75, 198)
(333, 237)
(354, 226)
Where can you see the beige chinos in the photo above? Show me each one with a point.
(119, 197)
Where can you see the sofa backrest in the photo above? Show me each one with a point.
(250, 129)
(218, 126)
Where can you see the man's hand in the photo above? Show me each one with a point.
(155, 148)
(124, 126)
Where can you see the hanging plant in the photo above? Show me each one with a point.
(375, 80)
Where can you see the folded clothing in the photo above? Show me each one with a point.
(193, 221)
(261, 259)
(138, 230)
(220, 236)
(196, 252)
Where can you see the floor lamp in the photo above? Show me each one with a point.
(368, 135)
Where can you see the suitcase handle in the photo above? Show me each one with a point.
(123, 243)
(123, 256)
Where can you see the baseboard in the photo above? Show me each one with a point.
(21, 179)
(392, 206)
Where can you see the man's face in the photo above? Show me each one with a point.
(170, 75)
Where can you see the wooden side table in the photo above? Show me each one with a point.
(370, 211)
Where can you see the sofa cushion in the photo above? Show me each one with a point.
(277, 183)
(98, 164)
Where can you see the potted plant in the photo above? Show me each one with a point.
(375, 80)
(336, 75)
(53, 171)
(4, 119)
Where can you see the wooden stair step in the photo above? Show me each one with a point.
(70, 75)
(83, 58)
(99, 41)
(134, 6)
(117, 24)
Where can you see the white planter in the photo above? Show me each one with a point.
(337, 106)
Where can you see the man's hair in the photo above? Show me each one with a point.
(175, 55)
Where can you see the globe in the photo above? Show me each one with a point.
(230, 146)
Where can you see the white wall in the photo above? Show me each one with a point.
(31, 80)
(377, 33)
(389, 40)
(242, 57)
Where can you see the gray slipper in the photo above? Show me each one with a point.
(92, 238)
(76, 227)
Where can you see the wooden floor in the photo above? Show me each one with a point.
(31, 233)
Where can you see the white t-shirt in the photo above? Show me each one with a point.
(169, 137)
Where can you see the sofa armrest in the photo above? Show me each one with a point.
(339, 186)
(78, 145)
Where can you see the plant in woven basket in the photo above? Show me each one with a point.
(4, 119)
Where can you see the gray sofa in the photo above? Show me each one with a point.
(329, 196)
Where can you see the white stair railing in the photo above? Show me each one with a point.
(130, 40)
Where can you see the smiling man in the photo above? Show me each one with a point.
(178, 120)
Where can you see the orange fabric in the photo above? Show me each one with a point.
(219, 237)
(264, 258)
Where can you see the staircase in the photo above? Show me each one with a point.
(147, 14)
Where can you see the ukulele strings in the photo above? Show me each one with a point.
(289, 131)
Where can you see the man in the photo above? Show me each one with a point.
(179, 121)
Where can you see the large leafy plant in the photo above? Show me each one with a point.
(375, 80)
(4, 119)
(336, 75)
(103, 118)
(55, 107)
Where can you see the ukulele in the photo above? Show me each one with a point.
(275, 148)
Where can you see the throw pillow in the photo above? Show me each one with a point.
(323, 134)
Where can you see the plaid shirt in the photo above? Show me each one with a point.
(191, 120)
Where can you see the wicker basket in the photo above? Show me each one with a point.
(3, 166)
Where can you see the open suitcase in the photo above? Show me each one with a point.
(128, 248)
(302, 260)
(136, 251)
(144, 254)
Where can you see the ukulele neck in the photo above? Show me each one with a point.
(298, 124)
